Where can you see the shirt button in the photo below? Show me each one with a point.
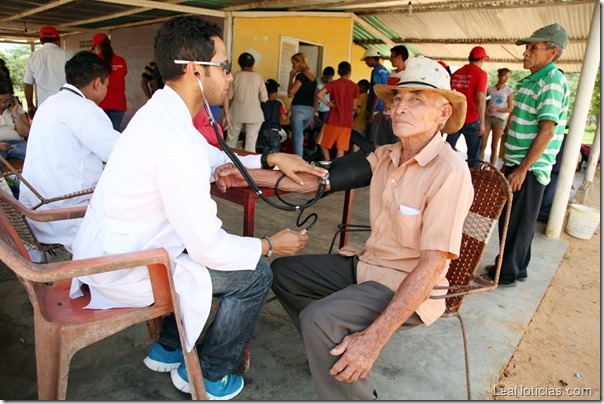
(392, 180)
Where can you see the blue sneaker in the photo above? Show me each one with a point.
(224, 389)
(160, 359)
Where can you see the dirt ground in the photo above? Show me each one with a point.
(559, 356)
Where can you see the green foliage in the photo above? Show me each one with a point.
(16, 59)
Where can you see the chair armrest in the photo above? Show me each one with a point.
(43, 215)
(57, 271)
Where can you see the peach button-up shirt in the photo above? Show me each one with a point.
(417, 206)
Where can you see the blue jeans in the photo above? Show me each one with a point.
(17, 152)
(243, 294)
(470, 132)
(116, 117)
(299, 120)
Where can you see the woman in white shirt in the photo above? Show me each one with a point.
(499, 107)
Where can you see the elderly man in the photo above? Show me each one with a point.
(348, 306)
(155, 192)
(45, 69)
(69, 142)
(534, 140)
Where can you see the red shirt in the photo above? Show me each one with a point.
(116, 91)
(469, 80)
(342, 92)
(202, 124)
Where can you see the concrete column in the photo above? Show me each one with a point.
(589, 71)
(594, 155)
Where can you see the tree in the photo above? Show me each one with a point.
(16, 59)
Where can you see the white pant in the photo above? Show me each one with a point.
(251, 134)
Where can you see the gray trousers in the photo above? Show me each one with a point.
(321, 296)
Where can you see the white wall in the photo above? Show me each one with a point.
(134, 44)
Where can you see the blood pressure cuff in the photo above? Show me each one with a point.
(350, 171)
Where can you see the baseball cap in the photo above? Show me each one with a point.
(422, 73)
(371, 53)
(98, 38)
(49, 32)
(478, 52)
(551, 33)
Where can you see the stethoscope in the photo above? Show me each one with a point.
(287, 206)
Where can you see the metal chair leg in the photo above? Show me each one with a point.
(466, 356)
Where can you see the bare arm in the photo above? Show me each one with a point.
(546, 133)
(145, 87)
(321, 97)
(481, 105)
(360, 350)
(301, 176)
(29, 97)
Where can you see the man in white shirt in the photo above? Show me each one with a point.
(155, 192)
(45, 68)
(69, 141)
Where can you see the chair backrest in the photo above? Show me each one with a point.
(491, 192)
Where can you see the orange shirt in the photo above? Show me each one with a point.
(418, 206)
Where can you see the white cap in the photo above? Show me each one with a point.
(371, 53)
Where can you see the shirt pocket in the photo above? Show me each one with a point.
(408, 227)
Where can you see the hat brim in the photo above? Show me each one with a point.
(530, 39)
(457, 100)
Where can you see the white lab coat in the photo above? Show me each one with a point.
(155, 192)
(68, 143)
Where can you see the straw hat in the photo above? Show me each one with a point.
(422, 73)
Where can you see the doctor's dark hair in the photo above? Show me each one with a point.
(184, 38)
(84, 67)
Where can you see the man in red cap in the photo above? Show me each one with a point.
(45, 68)
(471, 81)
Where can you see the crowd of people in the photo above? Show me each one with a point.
(152, 186)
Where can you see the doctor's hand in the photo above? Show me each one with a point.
(289, 242)
(290, 164)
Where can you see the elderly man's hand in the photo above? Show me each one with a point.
(228, 176)
(516, 178)
(359, 352)
(290, 164)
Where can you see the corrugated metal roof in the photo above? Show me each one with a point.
(445, 30)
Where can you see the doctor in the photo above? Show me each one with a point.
(155, 192)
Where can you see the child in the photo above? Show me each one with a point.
(274, 113)
(360, 120)
(344, 94)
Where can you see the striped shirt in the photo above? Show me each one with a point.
(542, 96)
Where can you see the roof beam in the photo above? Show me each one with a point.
(166, 6)
(503, 60)
(467, 5)
(116, 15)
(458, 41)
(373, 30)
(36, 10)
(339, 4)
(266, 4)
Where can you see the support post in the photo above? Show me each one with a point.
(589, 71)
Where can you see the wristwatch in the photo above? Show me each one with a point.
(270, 246)
(264, 160)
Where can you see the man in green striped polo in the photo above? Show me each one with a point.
(534, 139)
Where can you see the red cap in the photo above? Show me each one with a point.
(478, 52)
(49, 32)
(98, 38)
